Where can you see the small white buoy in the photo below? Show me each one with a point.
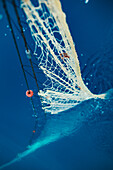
(28, 54)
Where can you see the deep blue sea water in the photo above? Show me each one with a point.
(91, 147)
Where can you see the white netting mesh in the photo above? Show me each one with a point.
(55, 52)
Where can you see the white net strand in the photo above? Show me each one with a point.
(55, 52)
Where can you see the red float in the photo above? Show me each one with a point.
(29, 93)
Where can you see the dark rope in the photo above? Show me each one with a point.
(27, 50)
(8, 17)
(22, 66)
(10, 24)
(25, 42)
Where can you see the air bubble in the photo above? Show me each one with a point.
(102, 112)
(24, 29)
(1, 16)
(86, 1)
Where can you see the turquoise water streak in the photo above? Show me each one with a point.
(67, 123)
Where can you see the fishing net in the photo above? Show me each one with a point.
(56, 55)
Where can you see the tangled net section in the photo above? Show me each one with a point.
(56, 55)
